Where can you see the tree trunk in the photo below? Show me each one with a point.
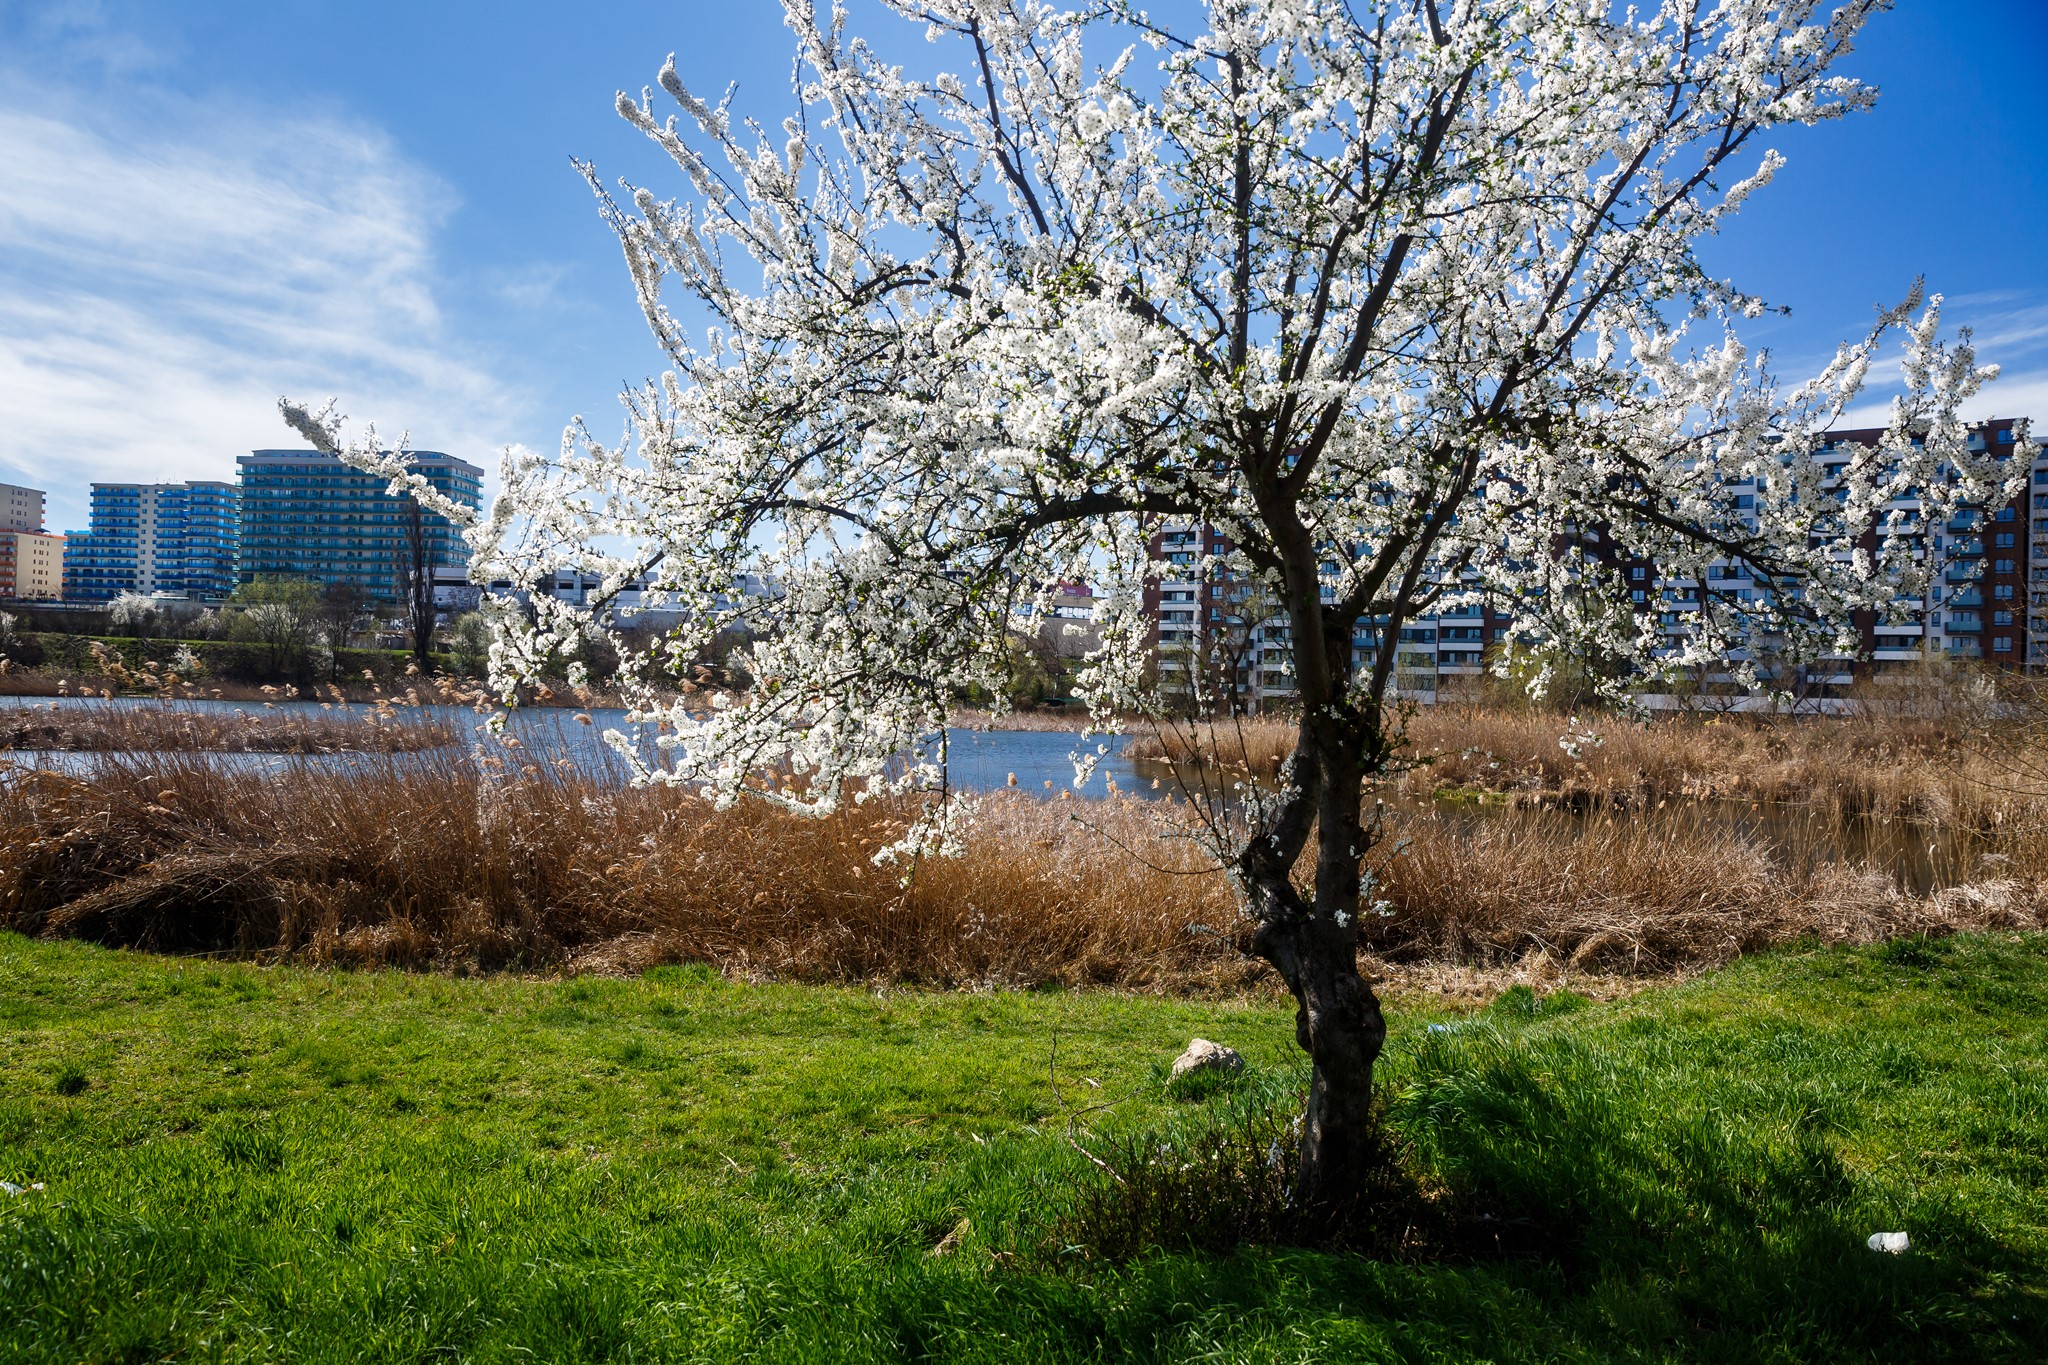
(1314, 946)
(1339, 1144)
(1337, 1022)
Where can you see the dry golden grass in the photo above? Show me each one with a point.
(1895, 766)
(1912, 768)
(1673, 843)
(428, 860)
(1254, 746)
(423, 860)
(1061, 720)
(107, 678)
(1664, 891)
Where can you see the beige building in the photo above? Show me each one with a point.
(31, 565)
(21, 509)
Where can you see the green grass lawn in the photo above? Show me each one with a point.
(255, 1163)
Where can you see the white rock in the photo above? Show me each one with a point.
(1203, 1055)
(1894, 1242)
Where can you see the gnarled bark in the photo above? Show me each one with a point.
(1337, 1022)
(1313, 943)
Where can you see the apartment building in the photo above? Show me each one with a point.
(21, 509)
(1225, 639)
(309, 515)
(31, 559)
(1987, 600)
(199, 535)
(1987, 595)
(169, 538)
(31, 566)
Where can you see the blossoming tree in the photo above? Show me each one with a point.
(1400, 295)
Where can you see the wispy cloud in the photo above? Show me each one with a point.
(2008, 329)
(85, 35)
(163, 279)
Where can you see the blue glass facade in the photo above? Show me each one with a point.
(308, 515)
(198, 528)
(106, 561)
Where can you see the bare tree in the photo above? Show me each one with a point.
(416, 582)
(342, 608)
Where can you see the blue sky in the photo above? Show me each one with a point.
(206, 204)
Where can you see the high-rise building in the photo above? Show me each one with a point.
(198, 527)
(308, 515)
(1987, 600)
(86, 572)
(21, 509)
(176, 538)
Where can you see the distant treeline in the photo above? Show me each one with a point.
(227, 660)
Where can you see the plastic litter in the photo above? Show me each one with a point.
(1894, 1242)
(9, 1187)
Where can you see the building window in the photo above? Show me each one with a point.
(2003, 591)
(2001, 618)
(2005, 514)
(2002, 566)
(2002, 645)
(1638, 573)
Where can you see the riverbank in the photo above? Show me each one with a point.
(222, 1162)
(1915, 766)
(399, 685)
(521, 859)
(259, 729)
(438, 688)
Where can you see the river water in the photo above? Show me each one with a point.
(979, 760)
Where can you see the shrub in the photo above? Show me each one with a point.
(237, 661)
(1225, 1177)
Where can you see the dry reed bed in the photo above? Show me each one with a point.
(1663, 891)
(1926, 769)
(427, 860)
(152, 729)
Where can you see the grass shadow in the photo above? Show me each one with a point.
(1666, 1181)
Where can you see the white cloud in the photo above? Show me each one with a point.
(2008, 329)
(164, 280)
